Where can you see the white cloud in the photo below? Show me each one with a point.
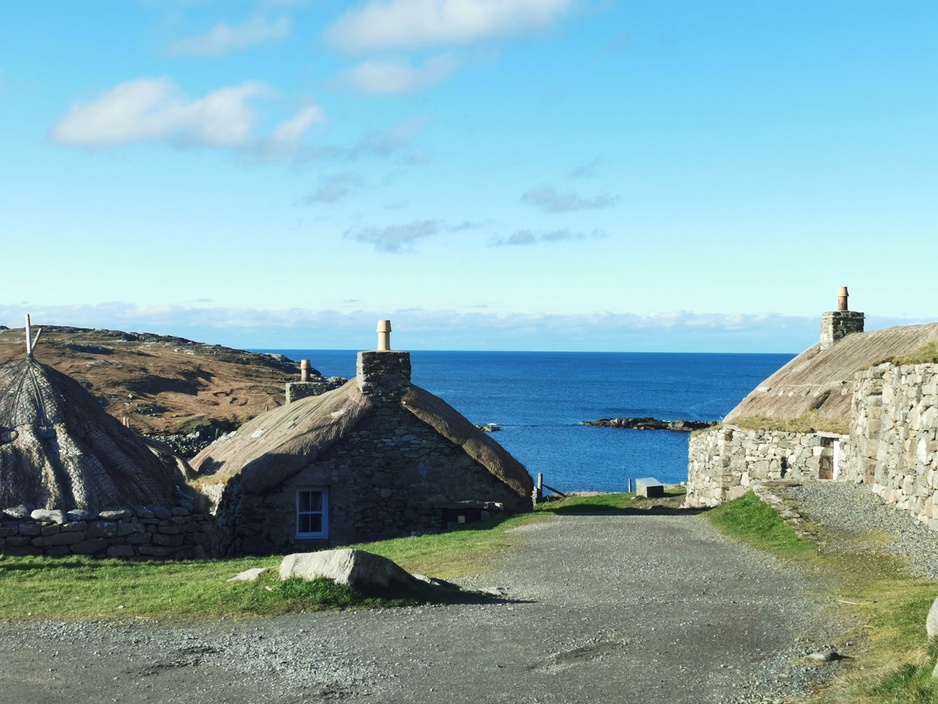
(407, 24)
(223, 38)
(286, 137)
(334, 188)
(398, 76)
(529, 237)
(396, 238)
(550, 200)
(377, 143)
(154, 110)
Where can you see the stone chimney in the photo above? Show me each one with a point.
(837, 324)
(310, 384)
(384, 373)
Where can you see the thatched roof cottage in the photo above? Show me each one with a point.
(64, 452)
(853, 407)
(376, 458)
(74, 481)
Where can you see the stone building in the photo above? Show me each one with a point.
(858, 406)
(376, 458)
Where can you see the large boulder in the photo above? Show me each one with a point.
(357, 568)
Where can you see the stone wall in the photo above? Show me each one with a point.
(295, 390)
(895, 422)
(143, 532)
(725, 461)
(391, 476)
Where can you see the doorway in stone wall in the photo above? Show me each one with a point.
(826, 459)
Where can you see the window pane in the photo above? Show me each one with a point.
(315, 501)
(304, 523)
(314, 521)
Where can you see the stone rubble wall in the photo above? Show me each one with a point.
(895, 420)
(725, 462)
(142, 532)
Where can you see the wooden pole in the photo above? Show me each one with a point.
(29, 338)
(540, 486)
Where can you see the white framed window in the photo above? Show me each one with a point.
(312, 513)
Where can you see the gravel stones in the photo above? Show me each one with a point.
(650, 608)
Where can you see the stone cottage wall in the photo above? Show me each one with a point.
(895, 421)
(392, 476)
(143, 532)
(723, 462)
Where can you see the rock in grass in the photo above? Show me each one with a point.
(250, 575)
(825, 656)
(356, 568)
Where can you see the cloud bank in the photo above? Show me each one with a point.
(417, 328)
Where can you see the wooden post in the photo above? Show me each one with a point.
(540, 486)
(630, 485)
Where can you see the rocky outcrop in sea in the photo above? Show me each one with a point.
(649, 424)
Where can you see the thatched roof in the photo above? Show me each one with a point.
(278, 444)
(820, 381)
(68, 452)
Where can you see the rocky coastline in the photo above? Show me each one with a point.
(682, 426)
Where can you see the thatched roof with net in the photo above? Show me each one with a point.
(820, 382)
(276, 445)
(68, 453)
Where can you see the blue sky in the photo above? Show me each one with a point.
(489, 174)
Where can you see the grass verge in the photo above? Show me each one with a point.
(78, 588)
(888, 608)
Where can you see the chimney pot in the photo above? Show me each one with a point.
(304, 370)
(842, 296)
(384, 335)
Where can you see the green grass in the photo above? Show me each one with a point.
(805, 423)
(926, 355)
(78, 588)
(752, 521)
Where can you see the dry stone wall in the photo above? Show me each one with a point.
(895, 422)
(142, 532)
(724, 462)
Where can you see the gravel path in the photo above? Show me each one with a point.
(648, 608)
(868, 524)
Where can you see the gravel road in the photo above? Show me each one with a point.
(624, 608)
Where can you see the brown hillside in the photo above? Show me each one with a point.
(160, 384)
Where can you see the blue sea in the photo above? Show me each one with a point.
(539, 398)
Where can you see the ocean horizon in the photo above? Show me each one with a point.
(538, 399)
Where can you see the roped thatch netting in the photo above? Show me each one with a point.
(68, 452)
(821, 381)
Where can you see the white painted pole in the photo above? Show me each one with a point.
(29, 338)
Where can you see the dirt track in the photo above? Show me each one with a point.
(651, 608)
